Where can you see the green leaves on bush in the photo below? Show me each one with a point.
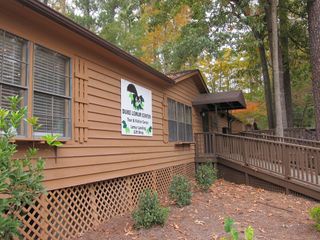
(249, 233)
(228, 224)
(52, 140)
(234, 234)
(315, 216)
(206, 175)
(149, 211)
(20, 179)
(180, 191)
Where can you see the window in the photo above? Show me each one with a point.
(52, 95)
(179, 121)
(13, 70)
(51, 80)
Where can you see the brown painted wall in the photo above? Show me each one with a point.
(97, 150)
(237, 126)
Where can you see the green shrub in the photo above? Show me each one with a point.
(180, 191)
(206, 176)
(234, 234)
(315, 216)
(20, 179)
(149, 211)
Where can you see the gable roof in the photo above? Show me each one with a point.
(60, 19)
(194, 74)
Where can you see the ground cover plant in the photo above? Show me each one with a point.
(149, 211)
(206, 175)
(233, 232)
(180, 191)
(315, 216)
(20, 179)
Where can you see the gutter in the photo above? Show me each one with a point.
(74, 27)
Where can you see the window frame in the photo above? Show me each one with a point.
(178, 122)
(69, 123)
(22, 87)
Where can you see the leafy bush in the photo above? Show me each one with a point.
(180, 191)
(20, 179)
(206, 176)
(315, 216)
(234, 234)
(149, 211)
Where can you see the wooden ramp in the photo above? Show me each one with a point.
(275, 165)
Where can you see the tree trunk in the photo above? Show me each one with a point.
(267, 85)
(314, 36)
(279, 96)
(284, 47)
(264, 67)
(270, 26)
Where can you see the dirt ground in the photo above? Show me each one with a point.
(272, 215)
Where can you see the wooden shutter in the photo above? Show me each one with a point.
(165, 119)
(81, 100)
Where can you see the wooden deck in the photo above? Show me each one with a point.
(292, 166)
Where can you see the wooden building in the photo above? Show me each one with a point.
(82, 87)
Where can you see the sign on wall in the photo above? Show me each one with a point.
(136, 109)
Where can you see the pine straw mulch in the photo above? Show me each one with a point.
(272, 215)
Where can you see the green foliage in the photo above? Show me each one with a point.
(52, 140)
(228, 224)
(234, 234)
(20, 179)
(315, 216)
(206, 176)
(149, 211)
(180, 191)
(33, 121)
(249, 233)
(219, 37)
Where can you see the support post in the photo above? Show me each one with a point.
(216, 117)
(247, 178)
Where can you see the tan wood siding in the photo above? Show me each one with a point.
(97, 150)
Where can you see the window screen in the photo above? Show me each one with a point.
(52, 98)
(179, 121)
(13, 69)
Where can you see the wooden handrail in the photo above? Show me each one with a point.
(298, 141)
(291, 161)
(265, 140)
(301, 133)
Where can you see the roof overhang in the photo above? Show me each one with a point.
(222, 100)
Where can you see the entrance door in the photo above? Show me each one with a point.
(205, 122)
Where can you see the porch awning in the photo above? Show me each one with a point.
(223, 100)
